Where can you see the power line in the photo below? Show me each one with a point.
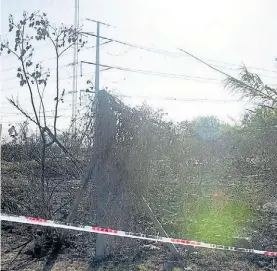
(176, 54)
(120, 54)
(95, 21)
(175, 76)
(150, 49)
(177, 99)
(250, 67)
(148, 72)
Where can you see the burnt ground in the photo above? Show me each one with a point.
(25, 247)
(19, 253)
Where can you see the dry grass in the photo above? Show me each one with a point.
(70, 266)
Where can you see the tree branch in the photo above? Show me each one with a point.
(271, 89)
(55, 44)
(27, 80)
(22, 111)
(57, 95)
(267, 106)
(66, 49)
(14, 53)
(41, 101)
(228, 75)
(31, 95)
(75, 161)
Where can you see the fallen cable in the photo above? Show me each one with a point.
(107, 231)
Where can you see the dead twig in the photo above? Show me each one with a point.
(19, 251)
(16, 247)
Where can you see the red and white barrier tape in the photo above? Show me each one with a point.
(49, 223)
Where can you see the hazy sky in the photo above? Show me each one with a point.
(225, 33)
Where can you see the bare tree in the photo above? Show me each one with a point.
(33, 28)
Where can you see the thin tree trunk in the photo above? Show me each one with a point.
(43, 159)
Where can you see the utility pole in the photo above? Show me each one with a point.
(86, 178)
(75, 69)
(101, 239)
(0, 144)
(92, 168)
(97, 60)
(100, 250)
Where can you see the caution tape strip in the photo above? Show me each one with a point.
(107, 231)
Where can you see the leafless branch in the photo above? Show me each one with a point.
(60, 207)
(57, 95)
(235, 81)
(22, 111)
(41, 101)
(74, 160)
(53, 190)
(19, 251)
